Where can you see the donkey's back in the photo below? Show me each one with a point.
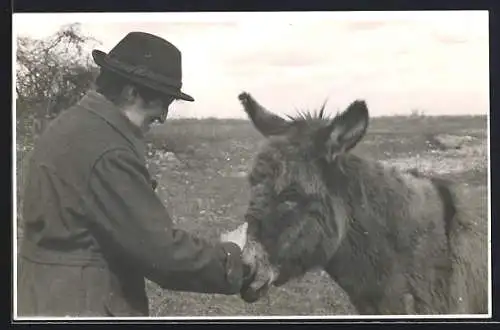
(424, 251)
(464, 285)
(466, 234)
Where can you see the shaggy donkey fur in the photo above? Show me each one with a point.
(397, 242)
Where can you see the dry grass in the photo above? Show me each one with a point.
(206, 192)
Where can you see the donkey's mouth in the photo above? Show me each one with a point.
(255, 286)
(250, 295)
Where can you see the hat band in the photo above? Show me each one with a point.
(142, 71)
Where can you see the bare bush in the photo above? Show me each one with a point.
(51, 75)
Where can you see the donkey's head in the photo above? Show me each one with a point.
(295, 221)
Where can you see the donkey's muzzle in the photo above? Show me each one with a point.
(248, 278)
(248, 292)
(250, 295)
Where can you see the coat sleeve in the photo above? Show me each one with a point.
(131, 221)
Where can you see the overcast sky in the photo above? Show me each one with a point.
(433, 61)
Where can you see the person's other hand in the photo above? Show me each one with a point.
(237, 236)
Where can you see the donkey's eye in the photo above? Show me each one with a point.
(255, 178)
(252, 179)
(291, 194)
(290, 204)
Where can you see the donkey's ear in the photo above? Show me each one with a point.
(266, 122)
(345, 130)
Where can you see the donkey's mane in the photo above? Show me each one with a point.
(303, 116)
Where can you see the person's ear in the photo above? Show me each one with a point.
(129, 94)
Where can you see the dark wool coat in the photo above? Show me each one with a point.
(94, 228)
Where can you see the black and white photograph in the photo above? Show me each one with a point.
(251, 165)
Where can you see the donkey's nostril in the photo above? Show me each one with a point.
(248, 277)
(247, 271)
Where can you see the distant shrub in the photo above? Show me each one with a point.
(417, 113)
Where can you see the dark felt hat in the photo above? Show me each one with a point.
(147, 60)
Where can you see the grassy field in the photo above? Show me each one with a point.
(205, 190)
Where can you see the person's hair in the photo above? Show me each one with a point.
(110, 85)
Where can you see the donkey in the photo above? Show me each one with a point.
(397, 242)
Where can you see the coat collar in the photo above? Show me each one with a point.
(102, 107)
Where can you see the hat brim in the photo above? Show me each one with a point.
(100, 60)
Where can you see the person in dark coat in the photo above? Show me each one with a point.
(94, 228)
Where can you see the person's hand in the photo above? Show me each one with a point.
(237, 236)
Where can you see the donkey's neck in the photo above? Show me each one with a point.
(375, 199)
(367, 186)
